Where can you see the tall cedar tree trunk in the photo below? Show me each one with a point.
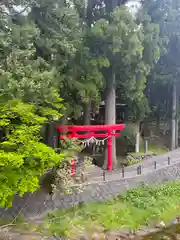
(177, 133)
(51, 135)
(157, 124)
(110, 114)
(177, 118)
(87, 113)
(173, 122)
(110, 99)
(137, 146)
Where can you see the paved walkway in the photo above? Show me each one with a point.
(147, 166)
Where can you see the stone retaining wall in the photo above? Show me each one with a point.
(34, 206)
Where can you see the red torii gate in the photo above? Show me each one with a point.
(109, 132)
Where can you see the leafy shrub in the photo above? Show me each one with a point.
(130, 160)
(62, 177)
(23, 157)
(128, 138)
(144, 205)
(146, 196)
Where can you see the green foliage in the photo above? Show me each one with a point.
(62, 42)
(57, 55)
(131, 47)
(147, 197)
(130, 160)
(128, 138)
(166, 14)
(62, 177)
(30, 97)
(141, 206)
(23, 158)
(23, 75)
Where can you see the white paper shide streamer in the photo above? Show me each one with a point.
(93, 140)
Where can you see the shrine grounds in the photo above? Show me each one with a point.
(142, 206)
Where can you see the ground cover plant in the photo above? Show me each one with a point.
(141, 206)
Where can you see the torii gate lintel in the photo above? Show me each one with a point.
(109, 132)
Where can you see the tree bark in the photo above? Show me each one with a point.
(63, 120)
(87, 113)
(50, 133)
(177, 118)
(173, 122)
(137, 146)
(157, 125)
(110, 115)
(177, 133)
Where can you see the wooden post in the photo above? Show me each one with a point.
(169, 160)
(104, 176)
(139, 170)
(123, 172)
(155, 165)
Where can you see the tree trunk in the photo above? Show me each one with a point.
(50, 134)
(157, 125)
(110, 115)
(173, 123)
(87, 113)
(63, 120)
(177, 133)
(137, 146)
(177, 118)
